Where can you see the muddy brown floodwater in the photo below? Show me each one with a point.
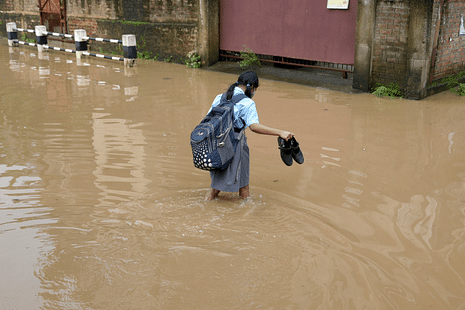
(101, 206)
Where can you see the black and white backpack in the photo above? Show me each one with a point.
(213, 141)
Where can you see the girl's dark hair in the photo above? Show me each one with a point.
(248, 79)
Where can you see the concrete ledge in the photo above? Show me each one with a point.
(327, 79)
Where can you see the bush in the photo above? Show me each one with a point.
(193, 60)
(453, 84)
(392, 90)
(249, 58)
(459, 90)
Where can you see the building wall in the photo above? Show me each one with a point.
(24, 13)
(390, 42)
(155, 11)
(391, 51)
(167, 29)
(26, 6)
(450, 54)
(413, 43)
(94, 9)
(6, 5)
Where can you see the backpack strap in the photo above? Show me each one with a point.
(235, 99)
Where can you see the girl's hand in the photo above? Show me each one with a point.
(286, 135)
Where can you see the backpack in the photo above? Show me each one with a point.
(213, 141)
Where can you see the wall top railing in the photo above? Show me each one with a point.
(81, 40)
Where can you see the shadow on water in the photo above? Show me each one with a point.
(101, 207)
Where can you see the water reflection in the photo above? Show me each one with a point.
(120, 159)
(100, 200)
(22, 241)
(18, 193)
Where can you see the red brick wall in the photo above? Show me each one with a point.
(169, 10)
(88, 24)
(167, 28)
(156, 11)
(390, 41)
(450, 55)
(26, 6)
(162, 27)
(23, 11)
(6, 5)
(92, 9)
(389, 61)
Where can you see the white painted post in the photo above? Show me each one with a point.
(129, 50)
(81, 47)
(12, 34)
(41, 37)
(81, 43)
(12, 42)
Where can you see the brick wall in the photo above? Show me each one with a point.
(163, 28)
(167, 28)
(450, 55)
(88, 24)
(21, 12)
(390, 42)
(7, 5)
(170, 10)
(94, 9)
(25, 7)
(393, 48)
(389, 61)
(155, 11)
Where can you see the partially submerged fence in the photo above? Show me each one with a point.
(81, 39)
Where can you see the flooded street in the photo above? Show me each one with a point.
(102, 208)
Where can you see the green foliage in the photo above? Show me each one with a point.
(249, 58)
(193, 60)
(129, 22)
(141, 54)
(452, 83)
(144, 55)
(168, 59)
(459, 90)
(119, 53)
(25, 39)
(113, 53)
(392, 90)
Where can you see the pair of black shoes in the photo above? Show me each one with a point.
(290, 151)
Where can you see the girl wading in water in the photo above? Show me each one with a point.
(236, 176)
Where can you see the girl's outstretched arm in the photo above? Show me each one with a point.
(265, 130)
